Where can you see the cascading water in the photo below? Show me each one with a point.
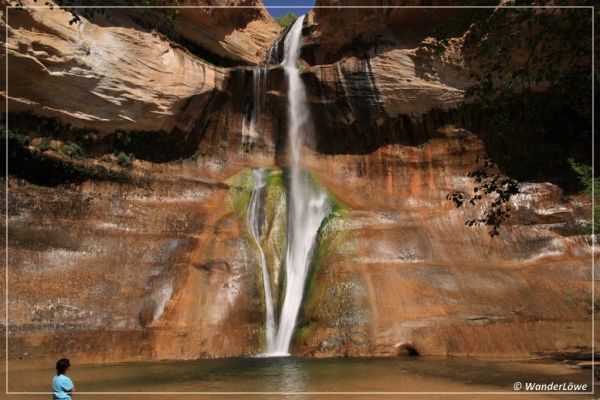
(308, 205)
(254, 221)
(250, 124)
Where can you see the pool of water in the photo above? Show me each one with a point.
(244, 377)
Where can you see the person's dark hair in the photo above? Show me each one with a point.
(62, 365)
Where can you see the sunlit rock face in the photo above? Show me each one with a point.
(241, 34)
(224, 32)
(162, 265)
(364, 28)
(95, 261)
(154, 268)
(403, 269)
(108, 77)
(165, 267)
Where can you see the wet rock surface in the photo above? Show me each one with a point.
(418, 275)
(169, 259)
(160, 264)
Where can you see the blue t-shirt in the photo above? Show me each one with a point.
(61, 387)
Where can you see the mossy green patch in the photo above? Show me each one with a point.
(303, 333)
(275, 231)
(273, 219)
(240, 191)
(339, 299)
(331, 236)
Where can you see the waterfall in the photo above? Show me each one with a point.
(254, 222)
(250, 124)
(308, 205)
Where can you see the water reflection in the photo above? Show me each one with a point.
(293, 377)
(275, 374)
(296, 375)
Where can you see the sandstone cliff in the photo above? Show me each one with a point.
(155, 261)
(241, 34)
(124, 77)
(369, 27)
(106, 77)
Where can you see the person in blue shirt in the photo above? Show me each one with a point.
(62, 385)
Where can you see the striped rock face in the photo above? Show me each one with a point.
(158, 260)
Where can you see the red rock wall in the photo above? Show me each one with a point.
(159, 265)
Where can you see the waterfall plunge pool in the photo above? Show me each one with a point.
(290, 374)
